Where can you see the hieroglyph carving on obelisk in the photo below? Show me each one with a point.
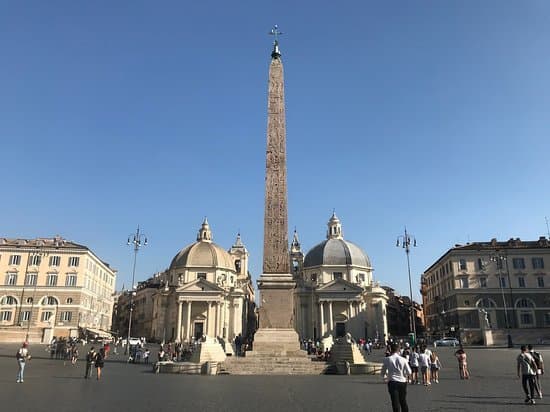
(276, 257)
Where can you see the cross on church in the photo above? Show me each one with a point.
(275, 32)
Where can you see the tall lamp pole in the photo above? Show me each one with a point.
(500, 260)
(406, 241)
(136, 240)
(31, 255)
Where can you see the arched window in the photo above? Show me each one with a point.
(8, 300)
(486, 303)
(524, 303)
(49, 300)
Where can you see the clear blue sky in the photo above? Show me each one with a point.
(430, 114)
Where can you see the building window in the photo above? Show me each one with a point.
(70, 280)
(31, 278)
(521, 282)
(46, 316)
(499, 263)
(538, 263)
(30, 300)
(49, 300)
(502, 282)
(34, 260)
(540, 281)
(336, 275)
(547, 319)
(11, 279)
(464, 283)
(15, 260)
(51, 279)
(462, 264)
(526, 318)
(314, 277)
(69, 300)
(8, 300)
(518, 263)
(480, 264)
(5, 315)
(55, 260)
(25, 316)
(74, 261)
(483, 282)
(524, 303)
(201, 276)
(66, 316)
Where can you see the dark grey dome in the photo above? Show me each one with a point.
(336, 251)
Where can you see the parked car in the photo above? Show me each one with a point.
(446, 342)
(133, 341)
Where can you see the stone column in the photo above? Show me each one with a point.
(188, 328)
(178, 325)
(350, 309)
(330, 320)
(218, 318)
(322, 309)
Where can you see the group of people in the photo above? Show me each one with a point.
(530, 366)
(401, 366)
(94, 359)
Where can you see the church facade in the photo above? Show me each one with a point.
(206, 291)
(335, 293)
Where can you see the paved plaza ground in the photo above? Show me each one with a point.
(51, 386)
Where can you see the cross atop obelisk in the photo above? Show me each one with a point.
(276, 257)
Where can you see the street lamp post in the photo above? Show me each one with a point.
(136, 240)
(406, 241)
(31, 255)
(499, 260)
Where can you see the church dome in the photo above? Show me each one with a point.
(335, 251)
(203, 253)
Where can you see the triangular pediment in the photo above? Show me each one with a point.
(200, 286)
(339, 286)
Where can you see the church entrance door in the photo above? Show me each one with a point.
(340, 329)
(199, 330)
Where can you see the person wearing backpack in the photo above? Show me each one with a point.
(526, 365)
(22, 357)
(540, 369)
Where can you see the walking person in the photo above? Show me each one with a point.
(462, 359)
(413, 363)
(99, 362)
(526, 365)
(424, 362)
(396, 369)
(90, 360)
(540, 369)
(435, 365)
(22, 357)
(74, 355)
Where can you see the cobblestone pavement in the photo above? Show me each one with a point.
(51, 386)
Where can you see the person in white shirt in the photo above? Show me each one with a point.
(413, 363)
(22, 356)
(424, 362)
(396, 369)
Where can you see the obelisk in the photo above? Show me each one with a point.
(276, 334)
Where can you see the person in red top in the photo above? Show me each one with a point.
(396, 369)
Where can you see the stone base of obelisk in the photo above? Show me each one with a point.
(276, 335)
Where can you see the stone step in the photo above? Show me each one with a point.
(272, 366)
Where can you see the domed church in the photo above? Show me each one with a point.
(335, 293)
(206, 291)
